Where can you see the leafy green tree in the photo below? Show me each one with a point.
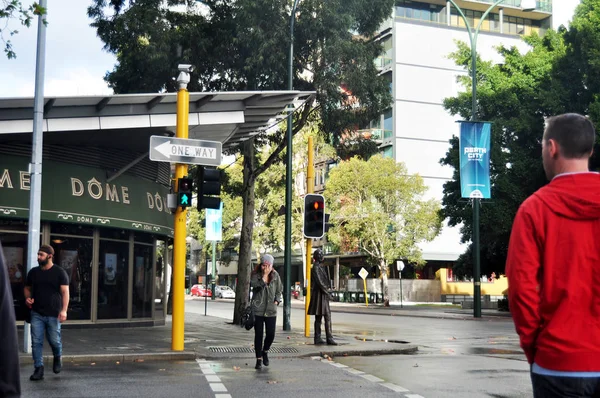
(14, 9)
(557, 75)
(377, 204)
(243, 45)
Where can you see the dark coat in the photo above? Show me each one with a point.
(319, 294)
(10, 382)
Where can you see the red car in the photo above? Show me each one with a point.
(200, 291)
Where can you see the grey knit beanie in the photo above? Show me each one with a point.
(267, 259)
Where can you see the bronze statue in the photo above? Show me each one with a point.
(319, 299)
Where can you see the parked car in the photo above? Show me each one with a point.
(200, 291)
(222, 291)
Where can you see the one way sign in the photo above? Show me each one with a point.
(179, 150)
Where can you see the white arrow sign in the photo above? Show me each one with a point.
(179, 150)
(168, 149)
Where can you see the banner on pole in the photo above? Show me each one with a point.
(214, 223)
(475, 140)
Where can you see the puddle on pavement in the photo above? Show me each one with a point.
(490, 351)
(381, 340)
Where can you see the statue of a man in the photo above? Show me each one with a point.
(319, 299)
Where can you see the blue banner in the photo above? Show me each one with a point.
(214, 222)
(475, 140)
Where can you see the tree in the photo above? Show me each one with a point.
(14, 9)
(557, 75)
(243, 45)
(382, 207)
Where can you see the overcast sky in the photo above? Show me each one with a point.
(75, 61)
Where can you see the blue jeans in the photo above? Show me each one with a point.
(51, 326)
(565, 387)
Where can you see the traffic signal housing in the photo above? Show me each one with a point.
(314, 216)
(209, 188)
(184, 192)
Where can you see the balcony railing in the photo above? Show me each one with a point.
(541, 5)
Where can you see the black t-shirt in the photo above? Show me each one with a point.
(45, 289)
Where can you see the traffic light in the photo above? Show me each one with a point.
(314, 216)
(184, 192)
(209, 186)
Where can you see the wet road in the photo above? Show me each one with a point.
(466, 358)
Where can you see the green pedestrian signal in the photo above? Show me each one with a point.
(184, 192)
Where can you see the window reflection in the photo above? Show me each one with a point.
(74, 255)
(142, 281)
(113, 278)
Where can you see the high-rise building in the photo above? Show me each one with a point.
(418, 39)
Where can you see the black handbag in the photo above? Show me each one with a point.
(248, 317)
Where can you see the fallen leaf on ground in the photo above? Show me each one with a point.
(288, 337)
(118, 363)
(93, 363)
(236, 368)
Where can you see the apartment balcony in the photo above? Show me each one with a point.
(541, 5)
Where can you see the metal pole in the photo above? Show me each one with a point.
(206, 284)
(179, 242)
(401, 299)
(287, 268)
(35, 167)
(310, 188)
(476, 201)
(214, 269)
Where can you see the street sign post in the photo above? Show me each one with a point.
(400, 267)
(363, 273)
(186, 151)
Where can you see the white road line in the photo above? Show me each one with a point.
(413, 396)
(338, 365)
(222, 396)
(316, 358)
(213, 379)
(208, 371)
(394, 387)
(354, 371)
(372, 378)
(218, 387)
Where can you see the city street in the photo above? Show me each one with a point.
(467, 358)
(456, 357)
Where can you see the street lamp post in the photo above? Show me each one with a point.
(287, 267)
(526, 5)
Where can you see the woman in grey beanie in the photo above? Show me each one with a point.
(267, 290)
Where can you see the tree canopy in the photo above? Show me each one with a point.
(14, 9)
(557, 75)
(376, 205)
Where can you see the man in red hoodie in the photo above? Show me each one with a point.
(553, 266)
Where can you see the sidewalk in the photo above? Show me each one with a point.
(205, 337)
(422, 310)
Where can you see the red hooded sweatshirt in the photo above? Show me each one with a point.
(553, 270)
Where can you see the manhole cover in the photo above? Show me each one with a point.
(250, 350)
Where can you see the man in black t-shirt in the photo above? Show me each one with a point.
(10, 381)
(47, 294)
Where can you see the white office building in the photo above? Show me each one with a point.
(418, 40)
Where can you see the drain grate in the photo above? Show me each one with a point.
(250, 350)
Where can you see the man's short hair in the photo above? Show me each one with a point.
(575, 134)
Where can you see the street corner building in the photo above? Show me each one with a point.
(104, 202)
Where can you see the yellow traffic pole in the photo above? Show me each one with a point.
(181, 170)
(366, 296)
(310, 188)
